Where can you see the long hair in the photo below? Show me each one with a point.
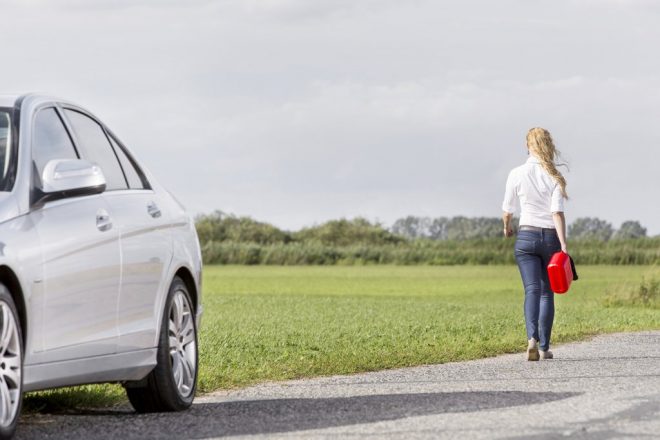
(541, 145)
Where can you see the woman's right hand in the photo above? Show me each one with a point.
(506, 219)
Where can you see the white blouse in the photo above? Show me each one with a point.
(538, 193)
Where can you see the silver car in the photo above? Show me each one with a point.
(100, 267)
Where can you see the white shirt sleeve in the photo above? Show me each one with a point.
(557, 204)
(510, 202)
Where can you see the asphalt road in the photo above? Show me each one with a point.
(606, 388)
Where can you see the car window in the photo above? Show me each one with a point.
(95, 147)
(132, 175)
(51, 140)
(5, 144)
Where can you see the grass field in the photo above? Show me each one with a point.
(272, 323)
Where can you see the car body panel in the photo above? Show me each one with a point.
(20, 253)
(146, 249)
(81, 275)
(133, 365)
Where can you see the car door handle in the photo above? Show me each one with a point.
(103, 222)
(153, 210)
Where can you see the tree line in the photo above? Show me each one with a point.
(229, 239)
(466, 228)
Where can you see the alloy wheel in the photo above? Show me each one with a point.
(182, 343)
(10, 366)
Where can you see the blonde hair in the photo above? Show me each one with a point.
(541, 145)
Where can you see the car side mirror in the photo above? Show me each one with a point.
(64, 178)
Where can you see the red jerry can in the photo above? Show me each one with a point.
(560, 273)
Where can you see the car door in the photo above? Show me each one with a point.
(145, 242)
(81, 257)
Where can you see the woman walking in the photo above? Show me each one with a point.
(540, 189)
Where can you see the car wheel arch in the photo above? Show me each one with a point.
(188, 279)
(9, 279)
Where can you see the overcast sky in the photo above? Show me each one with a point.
(299, 111)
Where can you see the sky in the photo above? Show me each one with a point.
(296, 111)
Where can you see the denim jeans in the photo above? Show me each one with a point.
(533, 251)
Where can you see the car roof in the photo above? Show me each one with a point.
(10, 99)
(7, 100)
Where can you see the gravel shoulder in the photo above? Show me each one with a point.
(607, 387)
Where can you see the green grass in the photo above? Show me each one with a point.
(644, 294)
(274, 323)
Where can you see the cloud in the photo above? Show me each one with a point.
(296, 10)
(624, 4)
(297, 111)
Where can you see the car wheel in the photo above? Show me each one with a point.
(11, 365)
(172, 383)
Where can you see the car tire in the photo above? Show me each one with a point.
(11, 365)
(172, 383)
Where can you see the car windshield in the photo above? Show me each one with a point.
(5, 149)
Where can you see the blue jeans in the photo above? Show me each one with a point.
(533, 251)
